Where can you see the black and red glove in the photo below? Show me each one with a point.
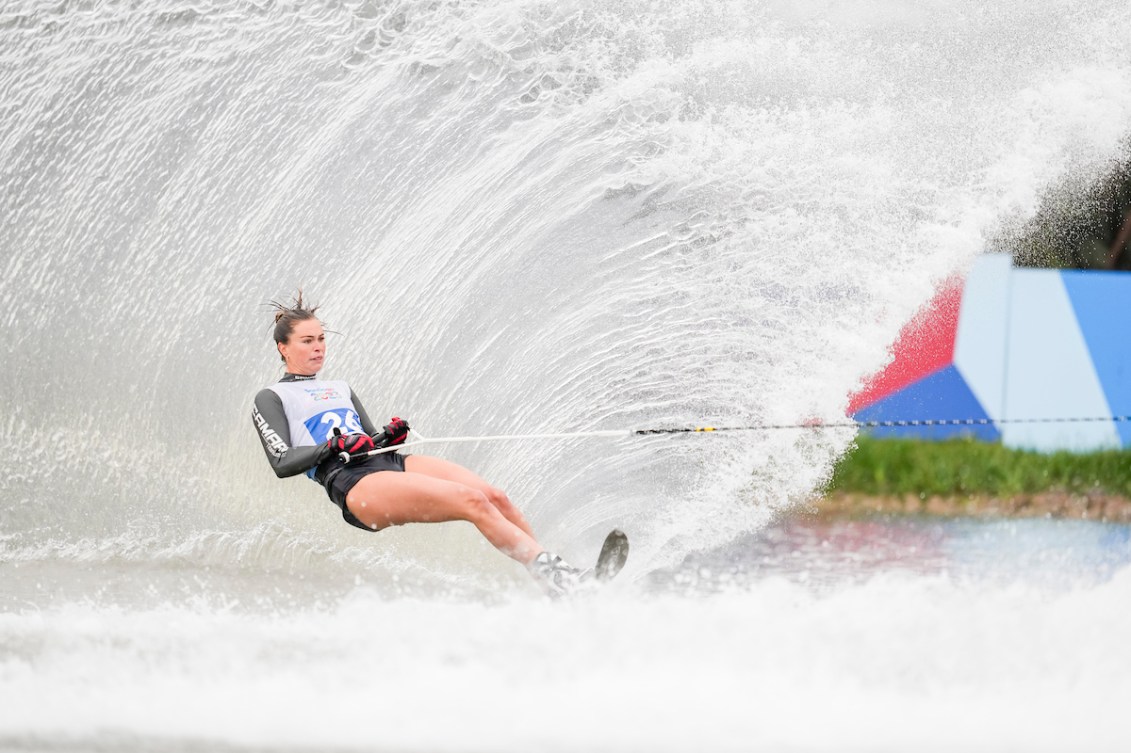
(354, 444)
(394, 433)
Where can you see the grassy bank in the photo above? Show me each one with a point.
(965, 467)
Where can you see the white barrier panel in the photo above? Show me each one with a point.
(1049, 371)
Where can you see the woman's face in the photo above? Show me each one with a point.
(305, 349)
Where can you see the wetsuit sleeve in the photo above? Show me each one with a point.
(366, 424)
(275, 434)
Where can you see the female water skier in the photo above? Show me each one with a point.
(297, 418)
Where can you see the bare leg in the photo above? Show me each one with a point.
(389, 498)
(449, 471)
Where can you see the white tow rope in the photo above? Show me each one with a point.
(812, 425)
(421, 440)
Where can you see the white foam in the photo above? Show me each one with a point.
(881, 665)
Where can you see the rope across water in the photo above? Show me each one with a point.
(813, 425)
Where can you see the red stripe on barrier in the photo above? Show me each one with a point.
(924, 346)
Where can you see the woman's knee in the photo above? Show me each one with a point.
(498, 498)
(476, 505)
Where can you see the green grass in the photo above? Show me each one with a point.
(968, 467)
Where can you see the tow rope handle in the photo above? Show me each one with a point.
(382, 446)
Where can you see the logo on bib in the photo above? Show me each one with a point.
(321, 394)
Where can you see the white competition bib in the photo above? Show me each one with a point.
(315, 408)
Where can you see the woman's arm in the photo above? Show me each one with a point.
(275, 434)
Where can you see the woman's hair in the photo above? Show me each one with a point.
(287, 316)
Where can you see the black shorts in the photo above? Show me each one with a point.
(345, 480)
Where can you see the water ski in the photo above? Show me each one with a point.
(558, 579)
(614, 553)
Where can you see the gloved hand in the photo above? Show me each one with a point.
(394, 433)
(353, 444)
